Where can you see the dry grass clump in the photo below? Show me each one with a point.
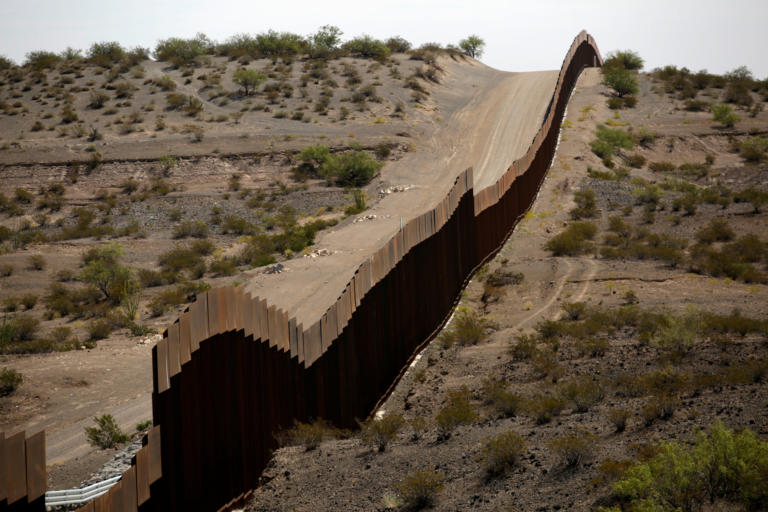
(501, 453)
(574, 449)
(419, 489)
(310, 435)
(457, 411)
(380, 432)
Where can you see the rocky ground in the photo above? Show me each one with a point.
(559, 375)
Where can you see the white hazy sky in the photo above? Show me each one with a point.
(521, 36)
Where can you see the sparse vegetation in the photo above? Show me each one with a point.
(106, 434)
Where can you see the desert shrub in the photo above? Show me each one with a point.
(593, 347)
(574, 449)
(106, 434)
(504, 402)
(622, 81)
(696, 106)
(501, 453)
(98, 329)
(586, 206)
(662, 166)
(721, 465)
(457, 411)
(626, 59)
(380, 432)
(179, 258)
(418, 490)
(223, 266)
(102, 269)
(183, 52)
(397, 44)
(636, 161)
(574, 310)
(524, 347)
(659, 407)
(310, 435)
(725, 115)
(165, 83)
(368, 47)
(749, 248)
(28, 300)
(717, 230)
(618, 418)
(582, 392)
(11, 304)
(574, 240)
(467, 328)
(351, 168)
(188, 228)
(754, 149)
(544, 407)
(757, 198)
(10, 380)
(180, 294)
(237, 225)
(106, 54)
(248, 79)
(40, 60)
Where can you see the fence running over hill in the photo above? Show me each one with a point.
(233, 370)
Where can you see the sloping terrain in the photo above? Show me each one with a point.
(572, 345)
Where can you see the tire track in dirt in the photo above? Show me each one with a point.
(569, 274)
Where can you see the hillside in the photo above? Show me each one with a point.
(562, 350)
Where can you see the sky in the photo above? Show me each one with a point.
(520, 36)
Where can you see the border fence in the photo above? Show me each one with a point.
(233, 370)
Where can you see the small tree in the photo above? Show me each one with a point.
(621, 80)
(725, 115)
(327, 37)
(626, 59)
(473, 46)
(248, 79)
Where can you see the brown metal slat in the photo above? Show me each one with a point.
(36, 476)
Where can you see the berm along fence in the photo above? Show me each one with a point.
(233, 370)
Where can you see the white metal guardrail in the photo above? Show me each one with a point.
(78, 496)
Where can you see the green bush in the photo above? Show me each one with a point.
(248, 79)
(717, 230)
(757, 198)
(467, 328)
(10, 380)
(183, 52)
(165, 83)
(368, 47)
(622, 81)
(419, 489)
(593, 347)
(721, 465)
(351, 168)
(106, 434)
(457, 411)
(397, 44)
(586, 206)
(472, 46)
(625, 59)
(610, 140)
(525, 347)
(106, 54)
(179, 258)
(40, 60)
(574, 240)
(380, 432)
(501, 453)
(725, 115)
(754, 149)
